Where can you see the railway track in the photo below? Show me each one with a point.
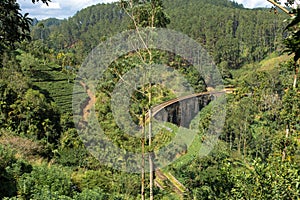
(161, 177)
(158, 108)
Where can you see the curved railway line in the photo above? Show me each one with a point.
(161, 177)
(158, 108)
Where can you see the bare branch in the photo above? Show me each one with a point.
(281, 7)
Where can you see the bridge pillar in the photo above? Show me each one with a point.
(183, 112)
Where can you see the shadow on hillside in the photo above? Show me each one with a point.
(40, 75)
(44, 92)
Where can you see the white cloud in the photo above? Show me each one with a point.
(51, 5)
(253, 3)
(261, 3)
(60, 9)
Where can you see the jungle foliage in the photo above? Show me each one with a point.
(256, 157)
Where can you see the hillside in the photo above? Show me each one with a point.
(233, 35)
(53, 149)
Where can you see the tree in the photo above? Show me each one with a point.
(292, 42)
(11, 169)
(290, 112)
(14, 27)
(269, 180)
(45, 182)
(148, 13)
(25, 110)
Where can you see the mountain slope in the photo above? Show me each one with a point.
(232, 34)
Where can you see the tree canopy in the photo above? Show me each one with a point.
(257, 156)
(14, 26)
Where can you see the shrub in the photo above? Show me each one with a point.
(43, 182)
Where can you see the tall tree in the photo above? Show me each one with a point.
(292, 45)
(146, 13)
(292, 42)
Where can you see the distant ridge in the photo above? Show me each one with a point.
(232, 34)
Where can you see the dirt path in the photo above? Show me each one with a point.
(85, 114)
(91, 102)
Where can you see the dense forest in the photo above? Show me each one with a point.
(233, 35)
(44, 156)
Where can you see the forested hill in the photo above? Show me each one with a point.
(252, 136)
(234, 35)
(85, 29)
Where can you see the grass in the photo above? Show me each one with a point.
(175, 182)
(23, 147)
(184, 136)
(270, 63)
(192, 152)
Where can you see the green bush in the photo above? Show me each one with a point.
(89, 194)
(45, 182)
(10, 170)
(72, 157)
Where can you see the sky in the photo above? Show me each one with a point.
(60, 9)
(66, 8)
